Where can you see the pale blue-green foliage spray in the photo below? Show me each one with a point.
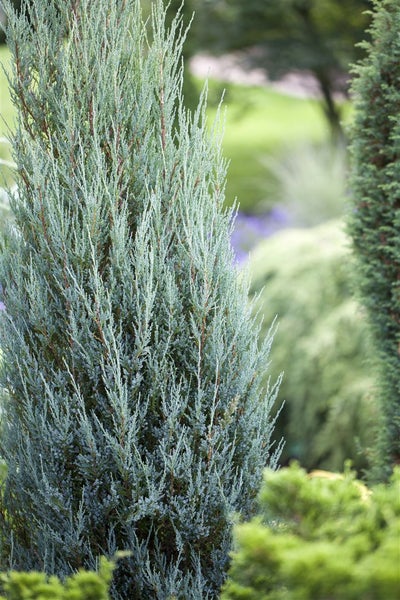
(133, 416)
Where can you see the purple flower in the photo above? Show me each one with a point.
(249, 229)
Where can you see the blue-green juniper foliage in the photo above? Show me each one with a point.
(133, 412)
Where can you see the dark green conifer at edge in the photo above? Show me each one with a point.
(133, 416)
(375, 220)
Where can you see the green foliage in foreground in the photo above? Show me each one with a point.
(321, 344)
(134, 412)
(318, 536)
(83, 585)
(374, 223)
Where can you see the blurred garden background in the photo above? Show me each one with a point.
(283, 68)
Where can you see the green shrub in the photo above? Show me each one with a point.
(375, 218)
(83, 585)
(134, 416)
(318, 536)
(321, 344)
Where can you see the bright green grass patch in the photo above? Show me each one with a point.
(7, 115)
(262, 123)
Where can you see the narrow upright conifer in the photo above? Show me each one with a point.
(133, 416)
(375, 221)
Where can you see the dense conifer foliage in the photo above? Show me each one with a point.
(374, 223)
(133, 414)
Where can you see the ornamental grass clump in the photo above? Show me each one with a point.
(133, 413)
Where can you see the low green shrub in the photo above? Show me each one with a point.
(318, 536)
(33, 585)
(321, 344)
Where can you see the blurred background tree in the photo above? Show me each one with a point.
(318, 36)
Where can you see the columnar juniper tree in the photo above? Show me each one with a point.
(375, 222)
(133, 417)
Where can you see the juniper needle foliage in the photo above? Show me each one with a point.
(375, 221)
(133, 413)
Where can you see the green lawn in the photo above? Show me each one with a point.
(260, 123)
(7, 114)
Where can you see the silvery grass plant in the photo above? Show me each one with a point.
(310, 182)
(133, 413)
